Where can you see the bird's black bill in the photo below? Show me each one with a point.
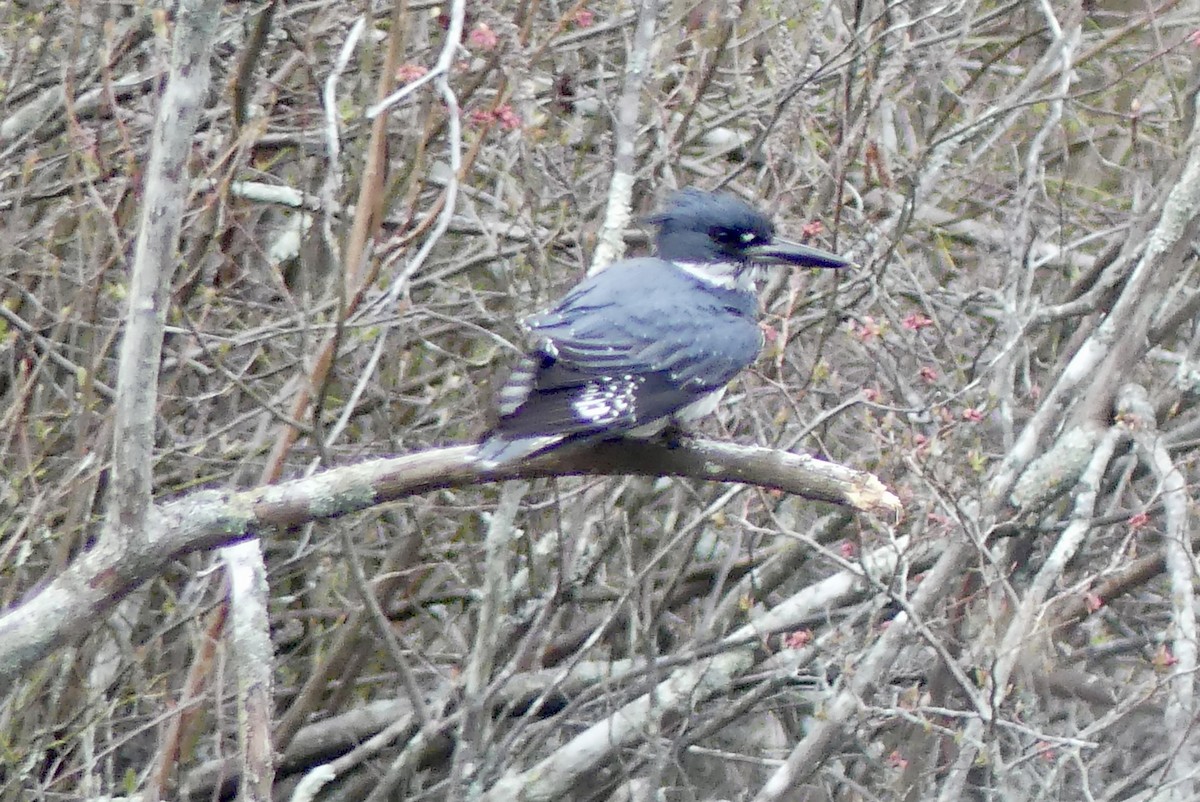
(782, 252)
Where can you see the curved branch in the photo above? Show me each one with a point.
(68, 607)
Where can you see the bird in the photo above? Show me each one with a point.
(647, 344)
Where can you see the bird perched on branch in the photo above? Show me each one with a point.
(646, 343)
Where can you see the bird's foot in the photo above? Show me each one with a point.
(674, 436)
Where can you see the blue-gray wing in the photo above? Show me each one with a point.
(631, 345)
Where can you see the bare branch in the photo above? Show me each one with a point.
(611, 240)
(213, 518)
(153, 262)
(250, 633)
(1181, 568)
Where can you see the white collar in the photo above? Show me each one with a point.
(723, 275)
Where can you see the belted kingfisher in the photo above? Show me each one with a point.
(646, 343)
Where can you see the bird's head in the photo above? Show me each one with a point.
(719, 238)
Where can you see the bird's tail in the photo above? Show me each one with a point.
(495, 451)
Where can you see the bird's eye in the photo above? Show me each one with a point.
(729, 236)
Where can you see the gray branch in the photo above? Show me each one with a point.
(68, 607)
(154, 258)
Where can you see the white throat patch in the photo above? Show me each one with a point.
(726, 275)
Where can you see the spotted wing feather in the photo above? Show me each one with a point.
(631, 345)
